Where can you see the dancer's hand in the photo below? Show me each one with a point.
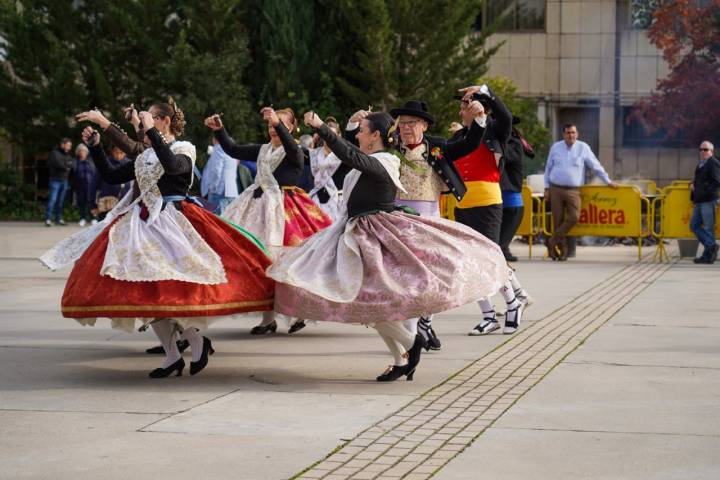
(476, 109)
(359, 116)
(313, 120)
(94, 116)
(270, 116)
(131, 115)
(147, 120)
(90, 136)
(468, 92)
(214, 122)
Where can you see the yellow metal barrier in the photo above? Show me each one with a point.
(448, 202)
(530, 226)
(675, 210)
(608, 212)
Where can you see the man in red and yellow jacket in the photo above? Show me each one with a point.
(481, 208)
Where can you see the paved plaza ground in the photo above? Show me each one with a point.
(615, 374)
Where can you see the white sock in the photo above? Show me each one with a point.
(487, 307)
(196, 342)
(509, 295)
(424, 325)
(516, 285)
(411, 326)
(164, 331)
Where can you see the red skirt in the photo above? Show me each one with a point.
(89, 294)
(303, 217)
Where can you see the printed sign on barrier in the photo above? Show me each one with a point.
(608, 212)
(676, 212)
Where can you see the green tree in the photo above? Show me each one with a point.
(404, 49)
(526, 110)
(63, 56)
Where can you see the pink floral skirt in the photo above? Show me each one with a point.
(386, 266)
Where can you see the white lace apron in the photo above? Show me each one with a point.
(264, 217)
(165, 246)
(323, 167)
(331, 253)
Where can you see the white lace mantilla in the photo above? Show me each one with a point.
(323, 166)
(333, 252)
(163, 247)
(264, 217)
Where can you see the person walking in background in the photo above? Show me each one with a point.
(219, 178)
(511, 183)
(564, 174)
(704, 192)
(85, 183)
(59, 166)
(109, 194)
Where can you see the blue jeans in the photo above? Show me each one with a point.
(221, 202)
(58, 189)
(702, 223)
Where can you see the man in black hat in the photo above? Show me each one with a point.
(426, 169)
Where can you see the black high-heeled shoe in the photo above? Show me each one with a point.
(263, 329)
(196, 367)
(296, 327)
(414, 355)
(166, 372)
(392, 373)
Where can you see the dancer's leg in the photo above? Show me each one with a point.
(164, 331)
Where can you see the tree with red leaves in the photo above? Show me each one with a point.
(688, 99)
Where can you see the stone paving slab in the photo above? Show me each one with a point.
(426, 434)
(519, 454)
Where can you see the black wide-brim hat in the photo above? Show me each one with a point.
(414, 108)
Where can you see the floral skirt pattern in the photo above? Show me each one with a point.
(387, 266)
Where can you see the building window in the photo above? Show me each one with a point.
(512, 15)
(635, 134)
(641, 13)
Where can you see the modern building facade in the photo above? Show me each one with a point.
(587, 62)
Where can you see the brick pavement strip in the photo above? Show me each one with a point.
(460, 409)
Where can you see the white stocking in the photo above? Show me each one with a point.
(268, 318)
(196, 342)
(164, 331)
(396, 349)
(411, 325)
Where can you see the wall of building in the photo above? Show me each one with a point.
(572, 65)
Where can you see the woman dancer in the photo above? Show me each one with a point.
(378, 266)
(273, 208)
(329, 173)
(157, 257)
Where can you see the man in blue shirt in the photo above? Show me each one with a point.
(219, 178)
(564, 174)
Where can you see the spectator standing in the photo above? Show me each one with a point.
(564, 174)
(85, 183)
(59, 165)
(219, 178)
(704, 192)
(109, 194)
